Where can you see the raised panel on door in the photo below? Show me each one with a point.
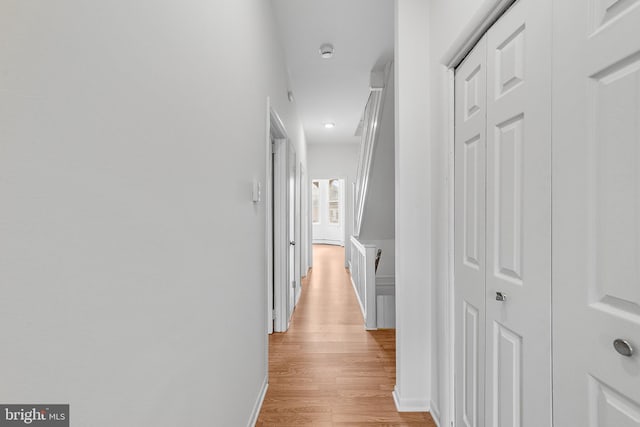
(470, 117)
(506, 379)
(596, 214)
(518, 386)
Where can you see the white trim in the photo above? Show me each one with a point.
(277, 125)
(328, 242)
(488, 13)
(357, 298)
(269, 223)
(297, 230)
(298, 291)
(409, 405)
(258, 405)
(451, 249)
(435, 414)
(277, 290)
(304, 226)
(281, 285)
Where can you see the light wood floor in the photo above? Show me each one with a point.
(327, 370)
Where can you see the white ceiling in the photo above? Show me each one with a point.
(334, 90)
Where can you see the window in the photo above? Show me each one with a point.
(315, 201)
(334, 201)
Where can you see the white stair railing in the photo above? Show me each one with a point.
(370, 131)
(363, 279)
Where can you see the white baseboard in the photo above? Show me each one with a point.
(357, 296)
(409, 405)
(258, 405)
(435, 414)
(328, 242)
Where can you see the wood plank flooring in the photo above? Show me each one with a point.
(327, 370)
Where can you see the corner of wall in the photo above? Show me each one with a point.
(413, 204)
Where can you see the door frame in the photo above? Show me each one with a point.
(290, 282)
(486, 15)
(343, 211)
(276, 136)
(348, 207)
(304, 217)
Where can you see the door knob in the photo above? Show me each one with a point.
(623, 347)
(292, 243)
(501, 296)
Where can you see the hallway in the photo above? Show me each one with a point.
(327, 370)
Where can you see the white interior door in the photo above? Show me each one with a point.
(503, 224)
(470, 165)
(328, 211)
(596, 204)
(518, 351)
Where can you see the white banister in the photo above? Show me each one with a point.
(363, 279)
(370, 131)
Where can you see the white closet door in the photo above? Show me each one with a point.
(596, 247)
(470, 117)
(518, 385)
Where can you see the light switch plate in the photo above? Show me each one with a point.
(257, 191)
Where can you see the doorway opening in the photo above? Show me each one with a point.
(327, 211)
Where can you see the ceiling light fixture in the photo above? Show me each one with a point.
(329, 125)
(326, 50)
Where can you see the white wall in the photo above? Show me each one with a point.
(446, 21)
(131, 133)
(336, 161)
(413, 262)
(424, 31)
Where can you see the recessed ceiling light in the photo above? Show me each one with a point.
(326, 50)
(329, 125)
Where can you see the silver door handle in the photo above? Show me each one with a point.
(501, 297)
(623, 347)
(292, 243)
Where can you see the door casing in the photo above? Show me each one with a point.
(278, 215)
(325, 237)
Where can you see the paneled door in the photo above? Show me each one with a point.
(503, 223)
(596, 213)
(469, 246)
(518, 272)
